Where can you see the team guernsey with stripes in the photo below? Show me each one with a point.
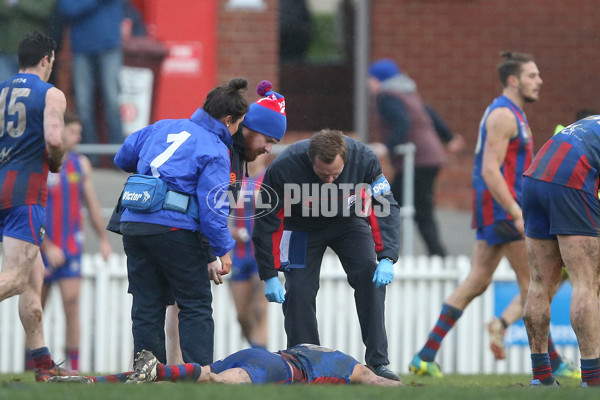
(31, 145)
(571, 157)
(519, 153)
(23, 172)
(65, 204)
(503, 152)
(562, 215)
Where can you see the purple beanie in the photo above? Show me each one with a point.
(384, 69)
(267, 114)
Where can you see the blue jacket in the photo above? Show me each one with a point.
(192, 156)
(95, 24)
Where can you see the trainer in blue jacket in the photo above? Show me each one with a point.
(166, 259)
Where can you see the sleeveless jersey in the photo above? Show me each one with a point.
(571, 157)
(518, 157)
(65, 195)
(23, 165)
(320, 364)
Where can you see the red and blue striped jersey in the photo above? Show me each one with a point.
(518, 157)
(571, 157)
(65, 200)
(243, 213)
(23, 166)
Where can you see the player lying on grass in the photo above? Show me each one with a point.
(305, 363)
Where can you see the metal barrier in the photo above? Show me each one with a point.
(413, 304)
(407, 209)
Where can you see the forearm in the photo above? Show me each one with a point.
(500, 192)
(54, 127)
(55, 145)
(99, 226)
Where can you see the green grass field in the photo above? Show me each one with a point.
(451, 387)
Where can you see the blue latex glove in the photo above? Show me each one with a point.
(274, 290)
(384, 274)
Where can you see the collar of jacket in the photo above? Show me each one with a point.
(201, 117)
(401, 83)
(239, 145)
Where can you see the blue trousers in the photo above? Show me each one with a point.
(101, 68)
(162, 268)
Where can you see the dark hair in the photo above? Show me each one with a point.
(511, 65)
(584, 112)
(33, 48)
(227, 100)
(71, 117)
(327, 144)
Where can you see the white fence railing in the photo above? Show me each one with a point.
(413, 304)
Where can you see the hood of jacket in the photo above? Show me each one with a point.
(401, 83)
(202, 118)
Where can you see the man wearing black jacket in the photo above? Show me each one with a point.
(328, 191)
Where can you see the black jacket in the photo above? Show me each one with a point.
(293, 166)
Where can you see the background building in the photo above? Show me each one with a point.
(450, 48)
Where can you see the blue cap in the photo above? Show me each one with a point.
(384, 69)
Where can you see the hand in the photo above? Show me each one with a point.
(54, 166)
(225, 264)
(456, 144)
(274, 290)
(213, 272)
(55, 256)
(384, 274)
(105, 249)
(240, 235)
(520, 225)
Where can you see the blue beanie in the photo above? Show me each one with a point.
(384, 69)
(267, 114)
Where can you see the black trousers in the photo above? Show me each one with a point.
(351, 239)
(424, 209)
(162, 268)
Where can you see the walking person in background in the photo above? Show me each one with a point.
(68, 191)
(503, 152)
(404, 117)
(31, 144)
(514, 311)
